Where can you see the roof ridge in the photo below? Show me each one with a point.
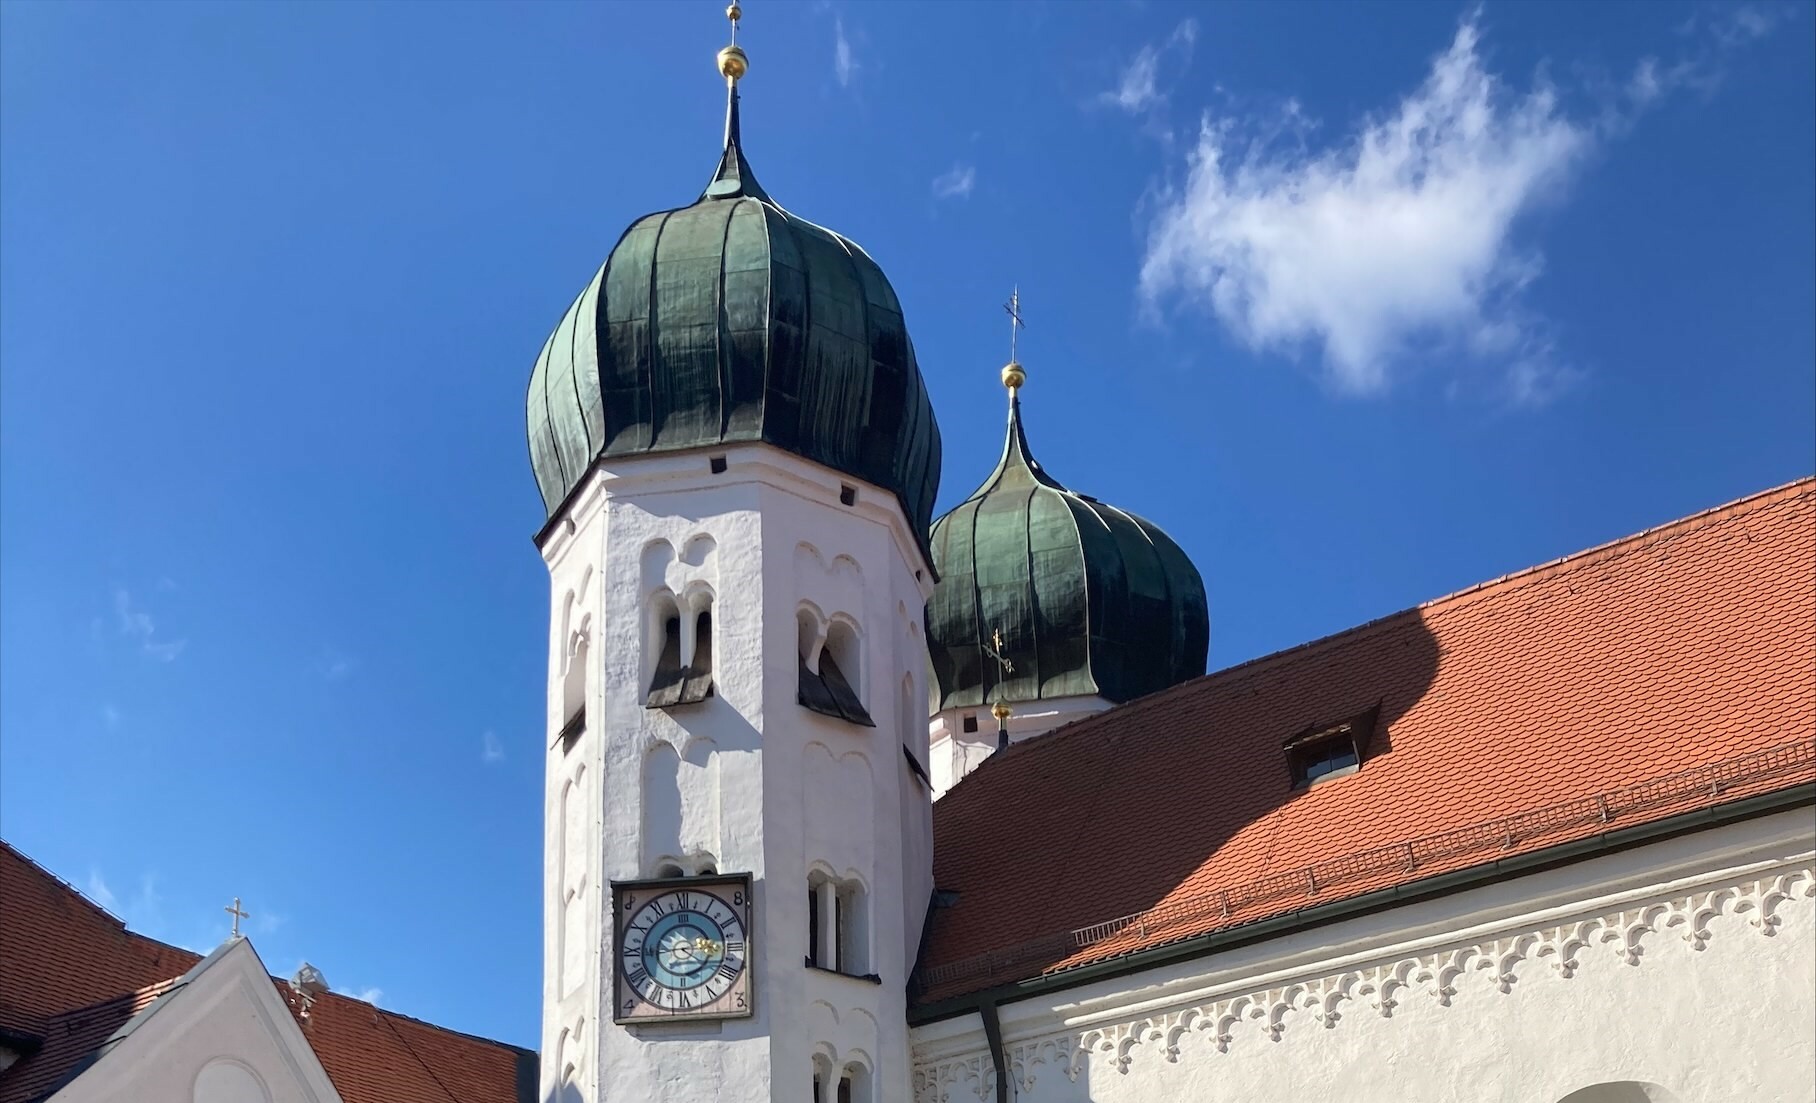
(47, 875)
(437, 1027)
(1747, 505)
(1669, 530)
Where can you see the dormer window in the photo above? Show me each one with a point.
(1329, 751)
(829, 669)
(682, 640)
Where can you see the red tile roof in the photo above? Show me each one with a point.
(1683, 657)
(71, 974)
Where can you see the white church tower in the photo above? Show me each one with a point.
(739, 461)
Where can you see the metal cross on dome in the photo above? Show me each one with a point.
(237, 916)
(1013, 309)
(994, 649)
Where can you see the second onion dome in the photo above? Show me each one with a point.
(1089, 600)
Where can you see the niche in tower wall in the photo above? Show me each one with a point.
(675, 683)
(573, 865)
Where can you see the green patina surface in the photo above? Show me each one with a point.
(733, 320)
(1090, 600)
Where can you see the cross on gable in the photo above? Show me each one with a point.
(237, 914)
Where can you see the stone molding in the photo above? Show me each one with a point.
(1497, 964)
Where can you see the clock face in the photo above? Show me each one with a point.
(683, 949)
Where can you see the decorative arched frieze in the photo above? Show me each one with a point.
(1496, 965)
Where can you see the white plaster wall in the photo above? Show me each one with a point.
(849, 792)
(956, 752)
(1688, 965)
(224, 1037)
(748, 780)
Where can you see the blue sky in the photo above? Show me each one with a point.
(1362, 303)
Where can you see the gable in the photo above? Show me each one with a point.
(71, 976)
(217, 1035)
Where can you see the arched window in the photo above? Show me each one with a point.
(854, 1085)
(838, 926)
(573, 696)
(681, 638)
(830, 667)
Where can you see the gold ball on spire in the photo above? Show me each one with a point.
(733, 63)
(1000, 710)
(1014, 376)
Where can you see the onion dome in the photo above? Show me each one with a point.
(733, 320)
(1089, 600)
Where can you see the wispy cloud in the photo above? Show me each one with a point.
(1139, 87)
(136, 624)
(491, 749)
(139, 908)
(335, 665)
(368, 995)
(955, 183)
(844, 63)
(111, 716)
(1401, 236)
(1710, 40)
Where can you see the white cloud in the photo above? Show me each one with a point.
(99, 892)
(1710, 41)
(139, 910)
(368, 995)
(1399, 235)
(491, 749)
(136, 624)
(844, 65)
(956, 183)
(110, 715)
(335, 665)
(1138, 89)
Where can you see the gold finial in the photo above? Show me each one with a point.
(733, 62)
(1004, 668)
(1013, 375)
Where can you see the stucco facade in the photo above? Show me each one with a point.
(1675, 971)
(786, 554)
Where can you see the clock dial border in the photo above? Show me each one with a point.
(723, 887)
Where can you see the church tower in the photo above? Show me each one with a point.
(739, 460)
(1051, 605)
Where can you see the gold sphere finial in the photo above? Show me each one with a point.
(1014, 376)
(1000, 710)
(733, 62)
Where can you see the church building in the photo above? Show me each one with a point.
(849, 803)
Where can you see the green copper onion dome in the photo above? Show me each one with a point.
(1089, 600)
(732, 320)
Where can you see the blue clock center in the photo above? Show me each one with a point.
(683, 949)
